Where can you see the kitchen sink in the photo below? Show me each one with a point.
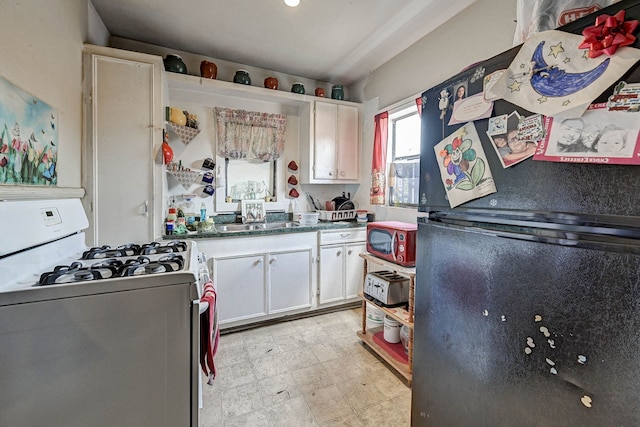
(232, 228)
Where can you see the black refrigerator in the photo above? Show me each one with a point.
(527, 303)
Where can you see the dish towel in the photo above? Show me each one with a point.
(209, 332)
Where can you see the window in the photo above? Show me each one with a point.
(404, 156)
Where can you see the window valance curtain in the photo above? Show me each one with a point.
(249, 134)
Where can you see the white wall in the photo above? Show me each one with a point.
(41, 53)
(481, 31)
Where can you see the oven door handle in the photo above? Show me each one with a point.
(196, 381)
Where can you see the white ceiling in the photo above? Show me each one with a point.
(324, 40)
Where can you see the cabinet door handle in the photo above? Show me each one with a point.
(146, 208)
(344, 234)
(341, 173)
(350, 251)
(272, 260)
(338, 253)
(258, 261)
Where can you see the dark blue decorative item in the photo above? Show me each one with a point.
(242, 77)
(337, 92)
(174, 64)
(298, 88)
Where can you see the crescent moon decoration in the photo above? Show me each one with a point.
(549, 80)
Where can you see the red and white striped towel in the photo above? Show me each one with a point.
(209, 332)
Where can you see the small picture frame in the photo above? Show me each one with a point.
(253, 211)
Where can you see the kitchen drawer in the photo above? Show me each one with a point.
(343, 236)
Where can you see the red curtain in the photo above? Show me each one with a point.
(419, 105)
(379, 160)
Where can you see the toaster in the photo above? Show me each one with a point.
(386, 288)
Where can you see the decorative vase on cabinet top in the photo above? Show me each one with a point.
(337, 92)
(174, 64)
(208, 70)
(320, 92)
(298, 88)
(242, 77)
(271, 83)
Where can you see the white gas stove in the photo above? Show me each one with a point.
(109, 333)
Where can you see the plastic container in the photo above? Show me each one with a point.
(307, 218)
(391, 330)
(375, 316)
(404, 338)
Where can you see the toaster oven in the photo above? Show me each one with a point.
(386, 288)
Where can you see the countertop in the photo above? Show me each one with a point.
(320, 226)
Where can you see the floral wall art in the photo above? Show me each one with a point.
(28, 138)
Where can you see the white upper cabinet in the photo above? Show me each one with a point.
(333, 155)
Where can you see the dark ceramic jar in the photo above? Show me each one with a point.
(337, 92)
(297, 88)
(174, 64)
(242, 77)
(208, 70)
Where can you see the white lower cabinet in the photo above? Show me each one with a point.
(353, 268)
(241, 287)
(341, 267)
(263, 277)
(287, 272)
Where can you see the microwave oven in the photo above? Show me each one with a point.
(393, 241)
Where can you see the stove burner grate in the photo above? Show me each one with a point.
(163, 248)
(143, 265)
(75, 272)
(110, 268)
(107, 251)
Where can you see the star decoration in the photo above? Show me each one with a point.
(608, 34)
(542, 99)
(477, 74)
(556, 49)
(565, 103)
(522, 66)
(585, 55)
(567, 60)
(515, 86)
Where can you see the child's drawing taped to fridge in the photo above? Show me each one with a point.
(463, 166)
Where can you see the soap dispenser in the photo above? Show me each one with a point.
(203, 212)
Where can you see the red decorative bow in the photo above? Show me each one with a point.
(609, 33)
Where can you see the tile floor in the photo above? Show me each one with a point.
(307, 372)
